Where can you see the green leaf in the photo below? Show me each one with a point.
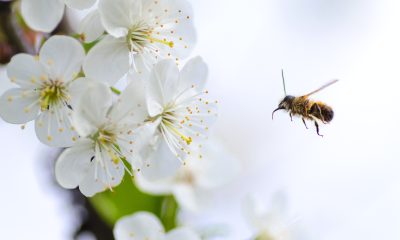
(127, 199)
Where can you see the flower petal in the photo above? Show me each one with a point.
(119, 15)
(91, 27)
(73, 164)
(42, 15)
(130, 108)
(25, 70)
(106, 175)
(108, 61)
(92, 109)
(53, 127)
(159, 162)
(194, 73)
(216, 168)
(63, 57)
(19, 106)
(79, 4)
(182, 233)
(141, 225)
(187, 197)
(161, 86)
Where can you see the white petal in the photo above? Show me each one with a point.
(131, 105)
(161, 86)
(90, 113)
(187, 197)
(79, 4)
(91, 27)
(42, 15)
(25, 70)
(107, 61)
(106, 175)
(157, 187)
(159, 162)
(140, 226)
(119, 15)
(53, 127)
(63, 57)
(182, 233)
(73, 164)
(194, 73)
(19, 106)
(77, 88)
(217, 167)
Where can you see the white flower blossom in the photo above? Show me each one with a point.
(146, 226)
(44, 15)
(270, 223)
(110, 134)
(47, 90)
(179, 113)
(193, 183)
(140, 32)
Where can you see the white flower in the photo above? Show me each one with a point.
(178, 107)
(193, 183)
(146, 226)
(270, 223)
(140, 32)
(109, 134)
(44, 15)
(47, 90)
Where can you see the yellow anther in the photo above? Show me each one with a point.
(49, 138)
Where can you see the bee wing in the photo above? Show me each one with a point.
(319, 89)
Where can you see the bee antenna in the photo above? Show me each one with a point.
(284, 85)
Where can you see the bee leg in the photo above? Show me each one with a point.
(304, 121)
(317, 128)
(291, 117)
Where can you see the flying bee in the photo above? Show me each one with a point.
(306, 108)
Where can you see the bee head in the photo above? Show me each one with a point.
(286, 102)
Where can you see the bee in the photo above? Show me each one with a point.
(306, 108)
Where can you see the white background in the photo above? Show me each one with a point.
(342, 186)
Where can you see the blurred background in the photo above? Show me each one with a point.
(342, 186)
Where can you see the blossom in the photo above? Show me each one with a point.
(140, 33)
(270, 223)
(146, 226)
(192, 184)
(44, 15)
(109, 136)
(47, 90)
(178, 112)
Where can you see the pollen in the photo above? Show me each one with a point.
(10, 98)
(49, 138)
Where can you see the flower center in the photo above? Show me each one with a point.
(140, 35)
(52, 93)
(169, 120)
(107, 140)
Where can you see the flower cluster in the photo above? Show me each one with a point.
(115, 97)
